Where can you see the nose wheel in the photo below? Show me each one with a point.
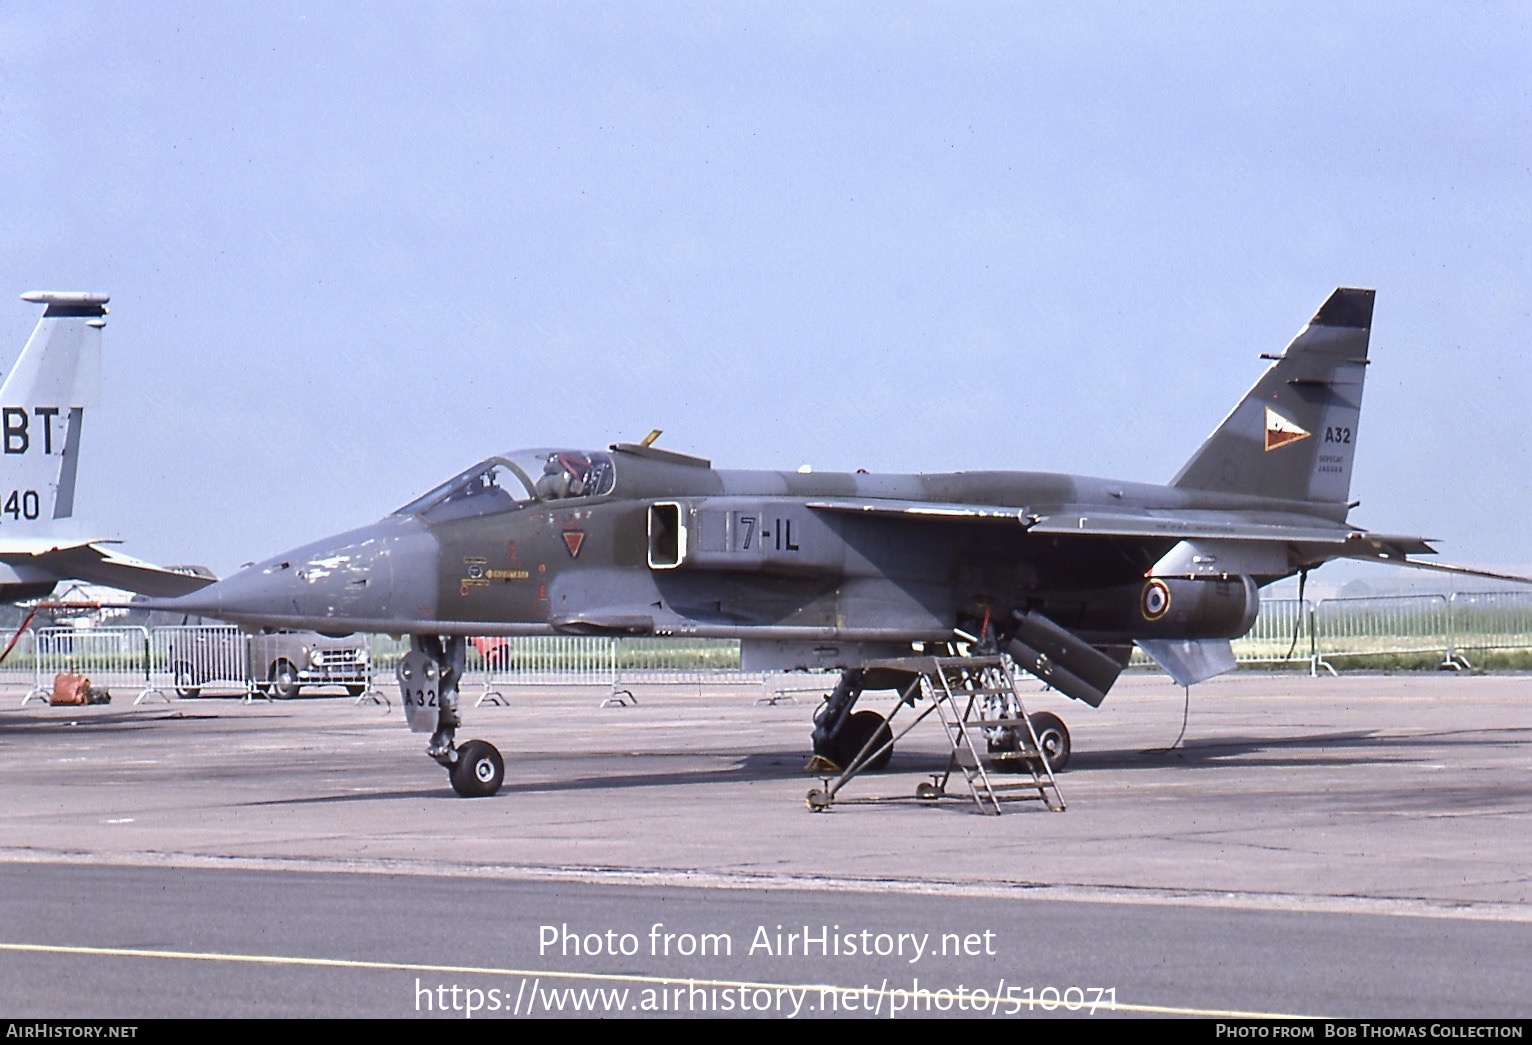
(428, 680)
(478, 770)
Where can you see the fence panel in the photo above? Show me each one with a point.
(557, 660)
(189, 659)
(673, 661)
(1383, 625)
(1490, 620)
(110, 657)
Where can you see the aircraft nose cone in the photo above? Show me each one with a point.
(354, 581)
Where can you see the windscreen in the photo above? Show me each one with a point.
(490, 486)
(502, 483)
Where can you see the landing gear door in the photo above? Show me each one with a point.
(420, 685)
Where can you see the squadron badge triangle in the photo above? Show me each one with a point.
(1280, 431)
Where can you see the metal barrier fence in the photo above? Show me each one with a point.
(188, 661)
(1449, 628)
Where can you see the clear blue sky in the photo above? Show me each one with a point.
(353, 248)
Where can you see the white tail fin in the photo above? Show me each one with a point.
(42, 406)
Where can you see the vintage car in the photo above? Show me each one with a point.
(278, 662)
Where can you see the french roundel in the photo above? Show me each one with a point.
(1154, 603)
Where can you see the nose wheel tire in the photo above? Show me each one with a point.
(479, 770)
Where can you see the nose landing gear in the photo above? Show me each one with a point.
(428, 679)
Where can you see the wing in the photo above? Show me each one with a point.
(1207, 542)
(93, 562)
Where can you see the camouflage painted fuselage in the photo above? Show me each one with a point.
(677, 547)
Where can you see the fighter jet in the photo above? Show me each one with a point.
(812, 569)
(42, 408)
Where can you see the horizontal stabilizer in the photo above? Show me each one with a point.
(1364, 555)
(89, 561)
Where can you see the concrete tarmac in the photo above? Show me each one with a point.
(1390, 796)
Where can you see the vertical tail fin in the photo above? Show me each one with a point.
(1294, 433)
(42, 405)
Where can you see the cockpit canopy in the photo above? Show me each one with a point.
(517, 479)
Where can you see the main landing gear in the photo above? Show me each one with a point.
(842, 733)
(976, 700)
(429, 675)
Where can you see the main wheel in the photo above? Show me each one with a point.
(1053, 738)
(185, 680)
(284, 679)
(859, 728)
(479, 770)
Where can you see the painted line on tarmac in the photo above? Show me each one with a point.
(819, 989)
(1403, 907)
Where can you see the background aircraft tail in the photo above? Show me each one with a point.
(1294, 434)
(42, 405)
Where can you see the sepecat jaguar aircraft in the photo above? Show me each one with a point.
(823, 570)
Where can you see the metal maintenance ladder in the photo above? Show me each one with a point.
(977, 703)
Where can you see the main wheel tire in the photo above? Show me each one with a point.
(479, 770)
(859, 728)
(185, 680)
(284, 679)
(1053, 738)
